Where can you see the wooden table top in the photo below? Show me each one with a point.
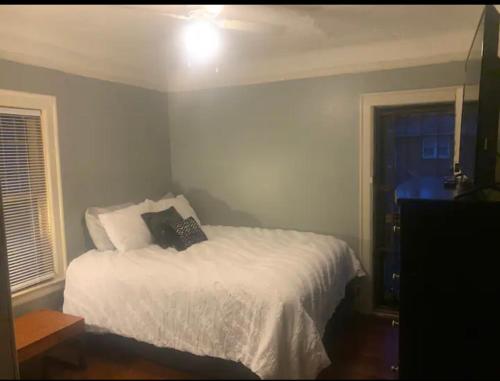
(41, 330)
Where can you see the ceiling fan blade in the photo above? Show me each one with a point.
(247, 26)
(164, 10)
(273, 18)
(175, 16)
(193, 12)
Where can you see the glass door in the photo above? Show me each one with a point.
(410, 141)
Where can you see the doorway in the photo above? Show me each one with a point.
(410, 141)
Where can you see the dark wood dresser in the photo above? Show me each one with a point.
(449, 321)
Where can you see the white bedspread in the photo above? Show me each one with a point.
(258, 296)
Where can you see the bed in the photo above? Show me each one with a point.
(261, 297)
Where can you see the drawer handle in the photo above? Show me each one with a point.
(394, 368)
(395, 228)
(395, 323)
(395, 276)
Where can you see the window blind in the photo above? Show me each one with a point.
(28, 231)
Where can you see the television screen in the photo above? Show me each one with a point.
(470, 106)
(480, 104)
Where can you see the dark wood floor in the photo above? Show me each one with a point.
(365, 349)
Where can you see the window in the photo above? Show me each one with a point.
(30, 189)
(436, 147)
(429, 147)
(443, 147)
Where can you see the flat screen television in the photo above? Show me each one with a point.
(479, 143)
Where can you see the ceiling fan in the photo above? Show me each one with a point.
(213, 14)
(203, 22)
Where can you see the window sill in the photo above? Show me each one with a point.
(38, 291)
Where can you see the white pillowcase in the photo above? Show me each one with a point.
(95, 228)
(125, 227)
(180, 203)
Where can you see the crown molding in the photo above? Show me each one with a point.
(13, 47)
(383, 55)
(354, 59)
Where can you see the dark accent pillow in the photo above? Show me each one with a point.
(159, 225)
(188, 233)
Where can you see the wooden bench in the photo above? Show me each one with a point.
(39, 331)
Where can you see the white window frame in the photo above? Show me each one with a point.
(434, 155)
(368, 103)
(47, 106)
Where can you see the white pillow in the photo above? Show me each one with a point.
(125, 227)
(95, 228)
(180, 203)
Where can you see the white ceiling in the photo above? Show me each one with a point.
(141, 46)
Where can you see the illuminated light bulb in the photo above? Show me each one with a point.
(202, 41)
(213, 9)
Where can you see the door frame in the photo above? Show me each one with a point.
(368, 102)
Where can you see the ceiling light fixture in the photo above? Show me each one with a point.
(202, 41)
(214, 10)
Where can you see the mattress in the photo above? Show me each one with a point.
(257, 296)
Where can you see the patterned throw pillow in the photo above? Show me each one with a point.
(188, 233)
(159, 225)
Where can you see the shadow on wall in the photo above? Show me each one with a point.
(89, 245)
(53, 301)
(213, 211)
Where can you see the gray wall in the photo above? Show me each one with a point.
(113, 139)
(284, 154)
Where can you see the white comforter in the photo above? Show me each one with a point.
(258, 296)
